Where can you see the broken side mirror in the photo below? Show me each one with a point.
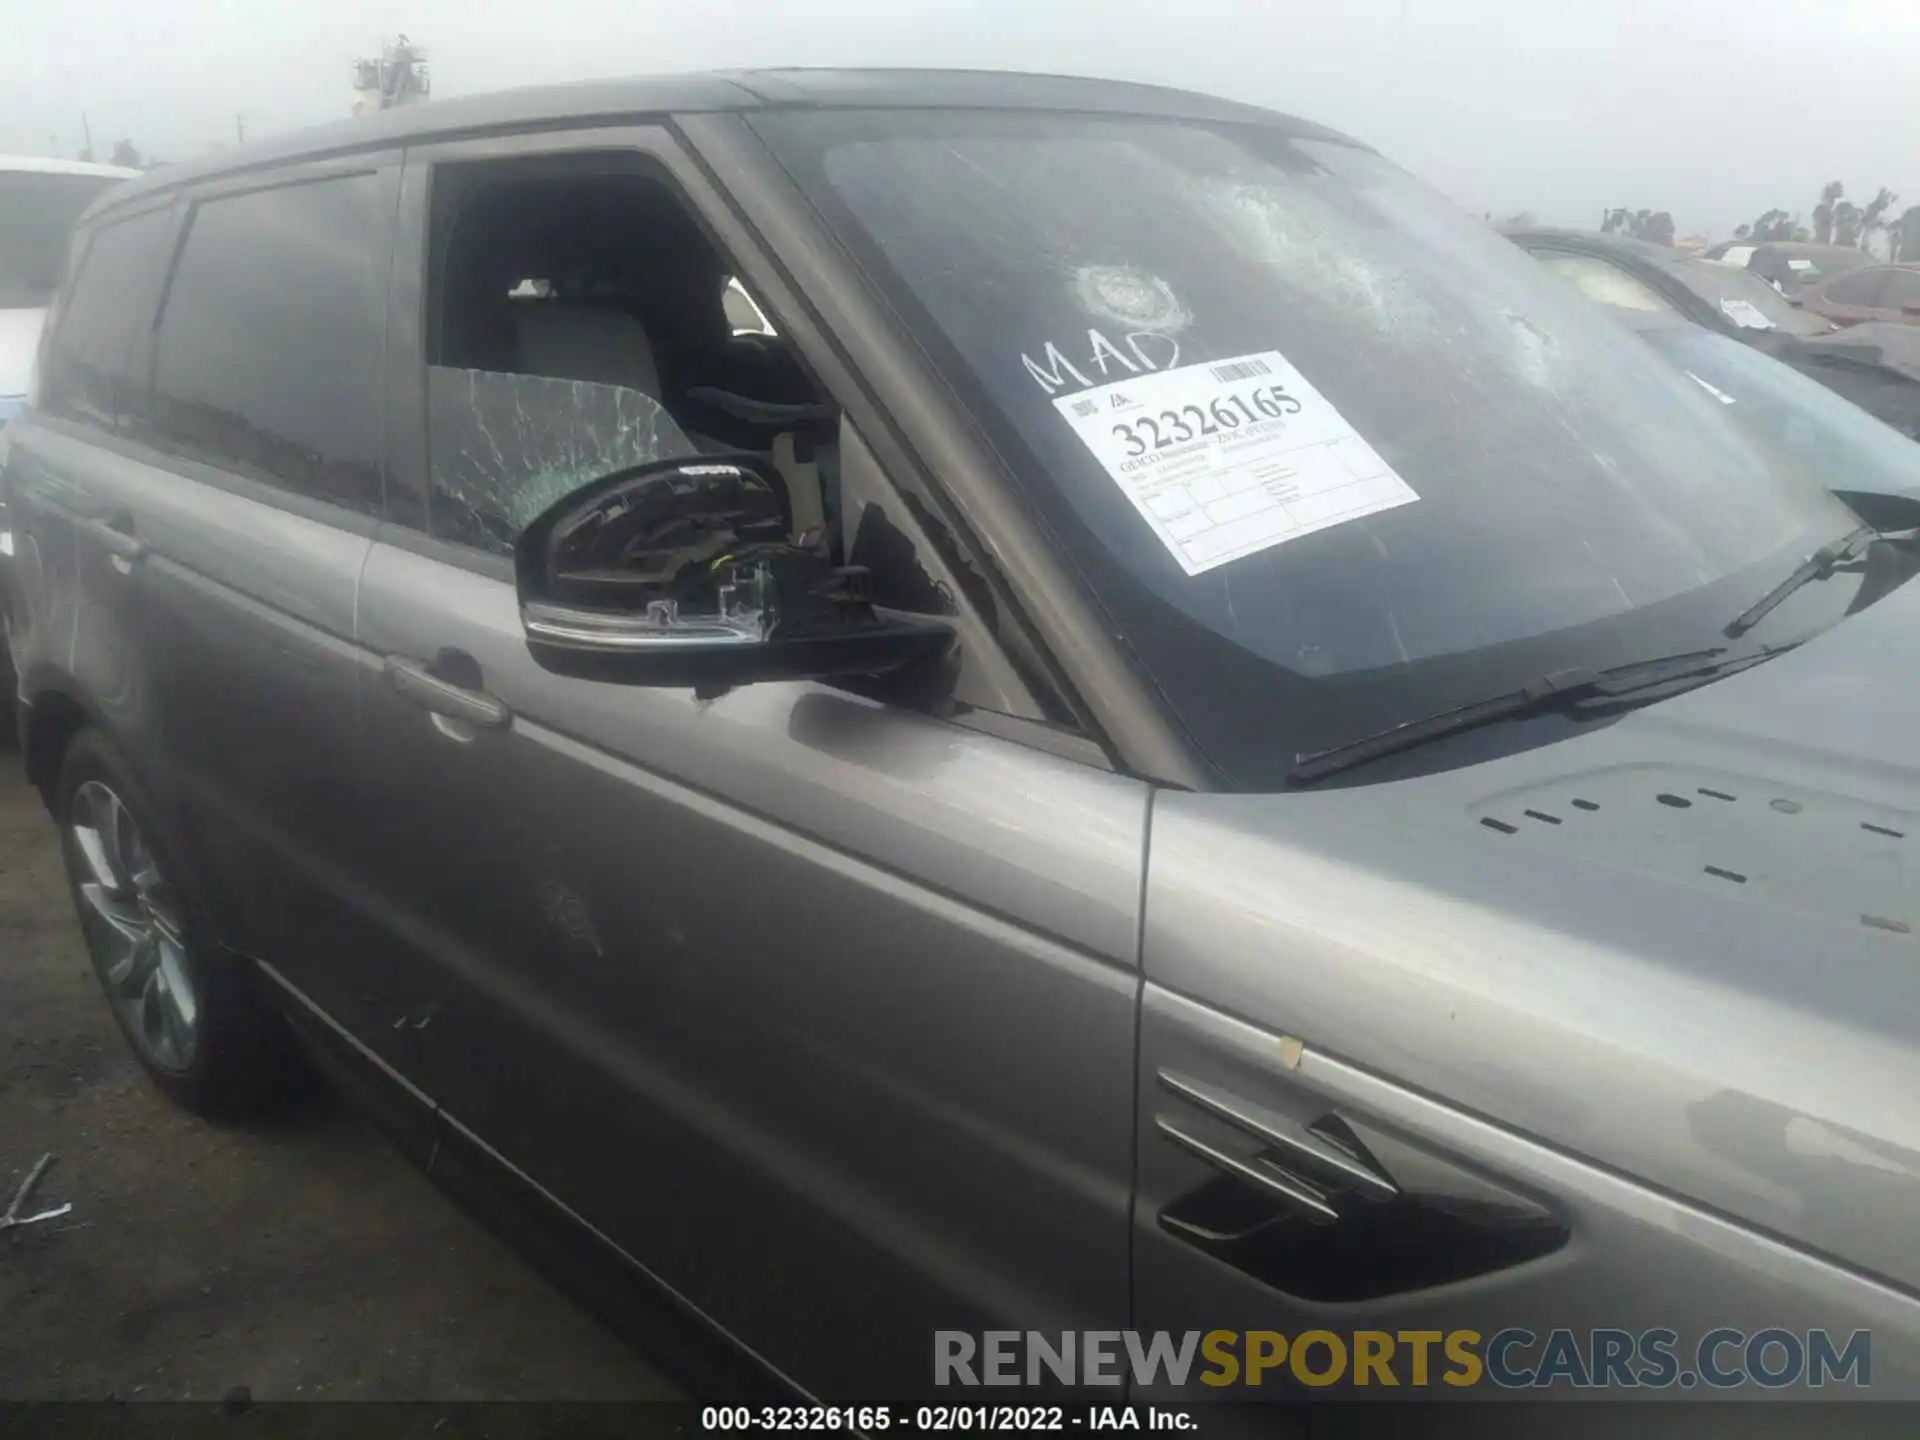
(687, 573)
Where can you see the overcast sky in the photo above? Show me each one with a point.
(1712, 109)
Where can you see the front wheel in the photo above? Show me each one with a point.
(191, 1012)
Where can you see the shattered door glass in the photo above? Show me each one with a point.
(505, 447)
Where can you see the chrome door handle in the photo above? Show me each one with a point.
(414, 682)
(116, 540)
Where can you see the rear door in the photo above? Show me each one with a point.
(258, 477)
(60, 476)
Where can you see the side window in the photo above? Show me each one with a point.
(270, 348)
(1903, 290)
(88, 365)
(1862, 287)
(581, 321)
(743, 311)
(1606, 283)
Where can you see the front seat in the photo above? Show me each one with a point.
(567, 340)
(570, 341)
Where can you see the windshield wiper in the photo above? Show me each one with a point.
(1563, 687)
(1817, 566)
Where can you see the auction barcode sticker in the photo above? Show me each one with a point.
(1230, 457)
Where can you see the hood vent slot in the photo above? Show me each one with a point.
(1836, 856)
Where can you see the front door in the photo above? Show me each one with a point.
(820, 1007)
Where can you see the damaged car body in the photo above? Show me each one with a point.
(1180, 738)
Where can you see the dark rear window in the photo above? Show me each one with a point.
(88, 372)
(269, 355)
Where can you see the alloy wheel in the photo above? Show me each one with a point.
(134, 928)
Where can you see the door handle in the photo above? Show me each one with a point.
(116, 537)
(417, 684)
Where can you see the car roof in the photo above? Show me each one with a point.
(42, 165)
(1571, 239)
(1592, 242)
(608, 101)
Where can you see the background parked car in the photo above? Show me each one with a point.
(1864, 459)
(1791, 266)
(1639, 275)
(1735, 253)
(39, 201)
(1886, 293)
(1875, 366)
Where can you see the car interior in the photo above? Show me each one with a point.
(599, 277)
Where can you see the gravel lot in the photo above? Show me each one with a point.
(305, 1260)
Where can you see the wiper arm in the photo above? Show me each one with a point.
(1561, 687)
(1817, 566)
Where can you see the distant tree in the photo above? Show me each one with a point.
(1873, 219)
(1651, 225)
(1658, 228)
(1903, 236)
(1742, 232)
(1847, 217)
(125, 154)
(1775, 225)
(1830, 194)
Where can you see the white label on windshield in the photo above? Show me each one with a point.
(1722, 396)
(1231, 457)
(1745, 314)
(1799, 264)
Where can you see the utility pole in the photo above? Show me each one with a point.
(240, 126)
(86, 129)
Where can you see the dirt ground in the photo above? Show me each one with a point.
(303, 1261)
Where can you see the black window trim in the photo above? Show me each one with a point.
(928, 440)
(188, 199)
(79, 252)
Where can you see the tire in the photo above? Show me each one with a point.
(9, 699)
(194, 1015)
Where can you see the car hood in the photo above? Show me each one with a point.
(19, 338)
(1685, 945)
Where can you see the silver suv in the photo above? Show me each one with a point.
(1181, 739)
